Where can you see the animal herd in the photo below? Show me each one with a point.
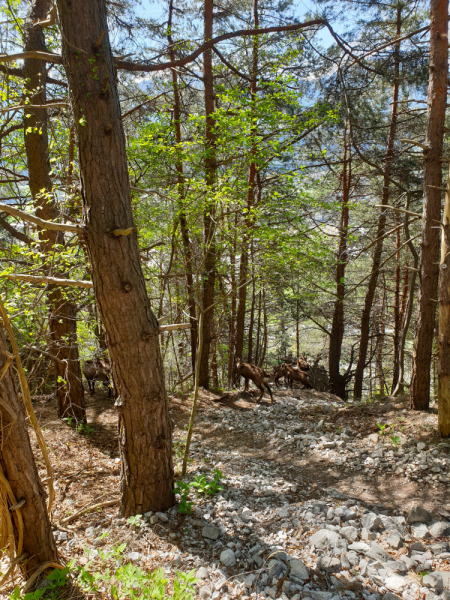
(261, 379)
(98, 369)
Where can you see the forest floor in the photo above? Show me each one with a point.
(308, 464)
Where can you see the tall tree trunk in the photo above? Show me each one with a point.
(232, 335)
(376, 261)
(444, 322)
(381, 330)
(19, 468)
(337, 327)
(397, 308)
(432, 181)
(258, 330)
(243, 267)
(265, 333)
(209, 269)
(145, 434)
(252, 314)
(185, 234)
(62, 312)
(410, 305)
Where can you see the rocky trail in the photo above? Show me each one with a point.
(318, 501)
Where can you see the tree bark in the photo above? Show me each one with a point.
(397, 309)
(232, 329)
(19, 468)
(265, 333)
(145, 435)
(258, 330)
(62, 312)
(209, 269)
(243, 267)
(376, 261)
(184, 227)
(337, 328)
(444, 322)
(252, 314)
(410, 305)
(432, 181)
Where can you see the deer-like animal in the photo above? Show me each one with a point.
(97, 369)
(297, 375)
(259, 377)
(278, 372)
(302, 363)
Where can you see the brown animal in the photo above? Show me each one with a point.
(302, 363)
(297, 375)
(97, 369)
(278, 372)
(256, 374)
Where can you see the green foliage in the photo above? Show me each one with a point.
(122, 581)
(202, 485)
(127, 581)
(208, 487)
(135, 521)
(58, 579)
(182, 489)
(383, 428)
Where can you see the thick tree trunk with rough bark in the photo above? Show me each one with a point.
(145, 434)
(376, 261)
(209, 268)
(432, 181)
(19, 468)
(62, 312)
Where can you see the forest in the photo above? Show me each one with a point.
(197, 195)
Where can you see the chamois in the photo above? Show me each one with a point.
(256, 374)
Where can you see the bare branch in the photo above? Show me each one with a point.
(40, 222)
(21, 106)
(48, 280)
(174, 327)
(47, 56)
(131, 66)
(13, 231)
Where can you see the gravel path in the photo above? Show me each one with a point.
(300, 515)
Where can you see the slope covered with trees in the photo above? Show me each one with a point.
(223, 184)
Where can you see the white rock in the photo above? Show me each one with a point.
(298, 569)
(327, 539)
(162, 517)
(210, 531)
(433, 581)
(134, 556)
(396, 583)
(202, 573)
(227, 558)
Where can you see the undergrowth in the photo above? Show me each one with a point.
(109, 575)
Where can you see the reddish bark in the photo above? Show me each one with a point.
(432, 181)
(145, 435)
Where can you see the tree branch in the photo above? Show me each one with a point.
(40, 222)
(48, 280)
(13, 231)
(131, 66)
(47, 56)
(21, 106)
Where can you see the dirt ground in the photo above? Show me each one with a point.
(87, 466)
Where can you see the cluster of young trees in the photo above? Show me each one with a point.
(273, 180)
